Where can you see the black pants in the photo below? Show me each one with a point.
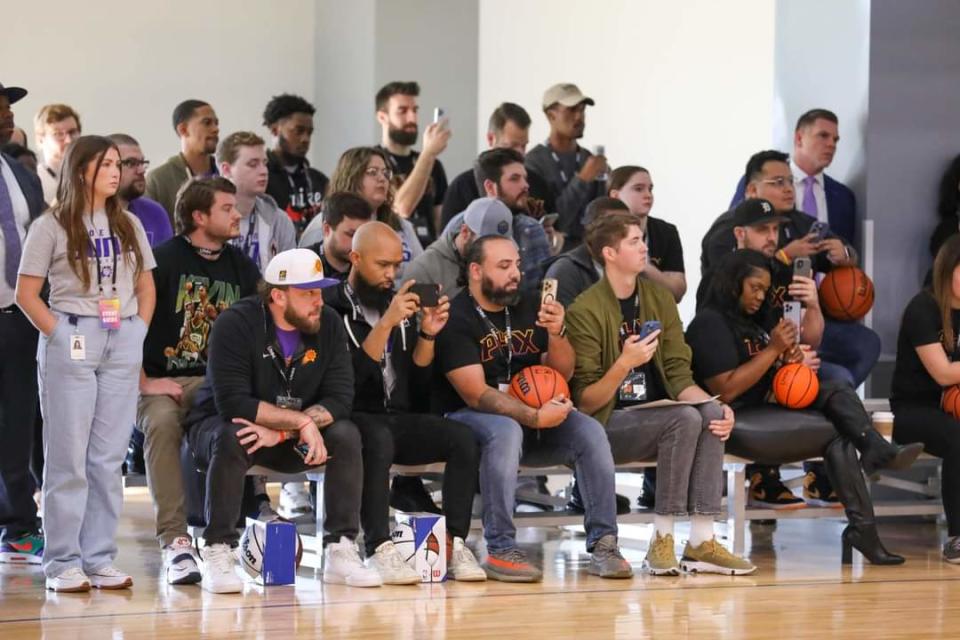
(940, 435)
(412, 439)
(18, 410)
(216, 448)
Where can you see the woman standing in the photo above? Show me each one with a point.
(97, 260)
(735, 357)
(928, 362)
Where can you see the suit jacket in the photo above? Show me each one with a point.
(29, 185)
(841, 207)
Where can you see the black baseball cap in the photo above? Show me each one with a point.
(13, 93)
(754, 211)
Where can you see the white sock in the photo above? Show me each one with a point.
(662, 525)
(701, 530)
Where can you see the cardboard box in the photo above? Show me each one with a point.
(421, 539)
(280, 546)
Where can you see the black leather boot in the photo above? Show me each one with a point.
(840, 459)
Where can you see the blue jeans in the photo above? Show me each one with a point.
(579, 441)
(848, 352)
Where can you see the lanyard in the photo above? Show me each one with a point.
(248, 240)
(301, 168)
(556, 158)
(358, 313)
(114, 245)
(287, 373)
(636, 318)
(508, 344)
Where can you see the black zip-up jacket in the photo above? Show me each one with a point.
(412, 390)
(241, 372)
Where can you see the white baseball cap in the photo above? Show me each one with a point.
(298, 268)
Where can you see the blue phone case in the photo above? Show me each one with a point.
(649, 327)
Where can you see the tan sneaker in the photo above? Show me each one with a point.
(661, 559)
(713, 557)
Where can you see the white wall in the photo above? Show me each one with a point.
(684, 89)
(124, 67)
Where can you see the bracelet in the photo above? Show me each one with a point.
(426, 336)
(563, 330)
(283, 437)
(783, 257)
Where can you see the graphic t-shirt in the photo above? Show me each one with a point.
(191, 292)
(630, 325)
(468, 339)
(921, 325)
(298, 190)
(719, 346)
(664, 248)
(422, 217)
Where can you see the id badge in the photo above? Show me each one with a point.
(503, 387)
(109, 313)
(634, 387)
(289, 402)
(78, 347)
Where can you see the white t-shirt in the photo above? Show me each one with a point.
(45, 256)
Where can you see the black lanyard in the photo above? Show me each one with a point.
(286, 372)
(636, 318)
(556, 158)
(251, 235)
(508, 343)
(114, 244)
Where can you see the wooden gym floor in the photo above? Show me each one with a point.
(799, 591)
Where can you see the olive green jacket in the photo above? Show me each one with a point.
(593, 328)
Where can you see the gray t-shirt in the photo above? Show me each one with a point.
(45, 256)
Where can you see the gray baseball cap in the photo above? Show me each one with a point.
(489, 217)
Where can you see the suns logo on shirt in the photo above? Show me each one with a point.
(521, 343)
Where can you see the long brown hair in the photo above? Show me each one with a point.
(75, 200)
(948, 259)
(348, 176)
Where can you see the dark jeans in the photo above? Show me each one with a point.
(413, 439)
(216, 448)
(848, 346)
(940, 435)
(18, 410)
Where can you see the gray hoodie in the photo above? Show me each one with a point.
(439, 264)
(275, 231)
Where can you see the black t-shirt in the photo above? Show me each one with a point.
(721, 345)
(298, 190)
(631, 325)
(921, 325)
(780, 278)
(191, 292)
(422, 218)
(467, 339)
(664, 248)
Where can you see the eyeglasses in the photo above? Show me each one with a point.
(779, 181)
(60, 136)
(373, 172)
(134, 163)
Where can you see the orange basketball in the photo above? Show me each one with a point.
(950, 401)
(795, 386)
(846, 293)
(537, 385)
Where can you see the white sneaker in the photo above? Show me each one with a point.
(342, 565)
(180, 562)
(71, 580)
(391, 566)
(219, 569)
(109, 577)
(463, 565)
(295, 500)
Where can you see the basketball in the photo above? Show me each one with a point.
(251, 549)
(404, 540)
(795, 386)
(950, 401)
(537, 385)
(846, 293)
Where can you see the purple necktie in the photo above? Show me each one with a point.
(809, 201)
(11, 235)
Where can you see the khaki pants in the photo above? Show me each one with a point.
(160, 418)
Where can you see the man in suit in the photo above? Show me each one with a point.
(818, 195)
(21, 201)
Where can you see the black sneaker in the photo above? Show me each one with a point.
(769, 492)
(407, 494)
(575, 503)
(951, 550)
(817, 490)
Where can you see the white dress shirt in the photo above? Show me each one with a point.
(21, 213)
(819, 195)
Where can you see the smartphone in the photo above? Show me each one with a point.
(429, 294)
(820, 230)
(792, 312)
(803, 267)
(438, 114)
(649, 327)
(548, 291)
(549, 218)
(302, 450)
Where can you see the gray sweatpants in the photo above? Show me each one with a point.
(89, 407)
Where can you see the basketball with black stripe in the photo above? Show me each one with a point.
(846, 293)
(795, 386)
(537, 385)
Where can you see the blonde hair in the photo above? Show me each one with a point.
(50, 114)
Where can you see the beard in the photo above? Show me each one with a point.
(289, 150)
(371, 295)
(133, 190)
(303, 324)
(499, 295)
(403, 137)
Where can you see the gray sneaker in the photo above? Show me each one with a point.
(606, 560)
(511, 566)
(951, 550)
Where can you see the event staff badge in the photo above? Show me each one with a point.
(110, 313)
(634, 387)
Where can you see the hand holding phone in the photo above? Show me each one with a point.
(803, 266)
(429, 294)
